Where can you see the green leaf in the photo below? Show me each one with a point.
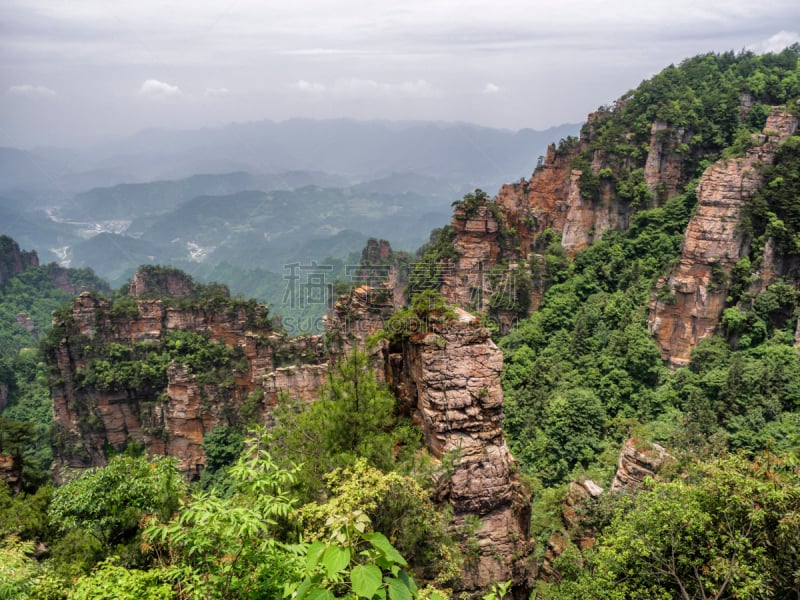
(384, 546)
(335, 559)
(313, 555)
(304, 587)
(366, 580)
(403, 576)
(319, 594)
(398, 590)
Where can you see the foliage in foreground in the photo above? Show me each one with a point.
(728, 528)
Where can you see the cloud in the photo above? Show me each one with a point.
(154, 87)
(31, 91)
(309, 87)
(357, 87)
(491, 88)
(322, 52)
(216, 92)
(777, 42)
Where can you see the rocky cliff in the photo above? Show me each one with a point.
(446, 378)
(13, 260)
(692, 297)
(577, 192)
(100, 406)
(449, 378)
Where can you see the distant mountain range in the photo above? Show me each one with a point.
(252, 197)
(359, 150)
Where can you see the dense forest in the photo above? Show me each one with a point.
(337, 498)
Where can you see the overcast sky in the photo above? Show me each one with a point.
(79, 70)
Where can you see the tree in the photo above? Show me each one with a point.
(109, 502)
(352, 418)
(726, 529)
(225, 547)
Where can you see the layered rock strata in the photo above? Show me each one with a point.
(638, 460)
(174, 420)
(449, 376)
(691, 299)
(446, 375)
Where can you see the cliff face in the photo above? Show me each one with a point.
(638, 460)
(90, 419)
(13, 260)
(449, 376)
(447, 379)
(691, 299)
(494, 240)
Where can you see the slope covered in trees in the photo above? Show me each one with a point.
(338, 499)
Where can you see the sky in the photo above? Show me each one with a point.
(74, 72)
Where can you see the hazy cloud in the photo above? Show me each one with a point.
(309, 87)
(32, 91)
(154, 87)
(777, 42)
(357, 87)
(323, 59)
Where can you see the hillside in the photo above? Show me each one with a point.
(585, 386)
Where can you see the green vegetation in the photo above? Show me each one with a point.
(726, 529)
(27, 301)
(699, 105)
(334, 518)
(336, 501)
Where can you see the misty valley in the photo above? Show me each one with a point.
(337, 358)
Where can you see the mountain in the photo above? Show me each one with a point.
(131, 201)
(459, 154)
(598, 365)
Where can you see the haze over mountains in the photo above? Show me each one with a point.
(253, 195)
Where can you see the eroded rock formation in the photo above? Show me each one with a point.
(173, 420)
(13, 260)
(11, 472)
(579, 496)
(446, 376)
(637, 461)
(690, 301)
(450, 377)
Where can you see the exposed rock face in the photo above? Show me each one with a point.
(477, 244)
(3, 396)
(447, 379)
(161, 282)
(24, 320)
(506, 236)
(13, 260)
(637, 461)
(588, 219)
(11, 472)
(171, 421)
(696, 289)
(579, 495)
(663, 167)
(450, 376)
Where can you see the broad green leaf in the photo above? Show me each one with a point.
(335, 559)
(315, 551)
(304, 587)
(366, 580)
(383, 545)
(398, 590)
(403, 576)
(319, 594)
